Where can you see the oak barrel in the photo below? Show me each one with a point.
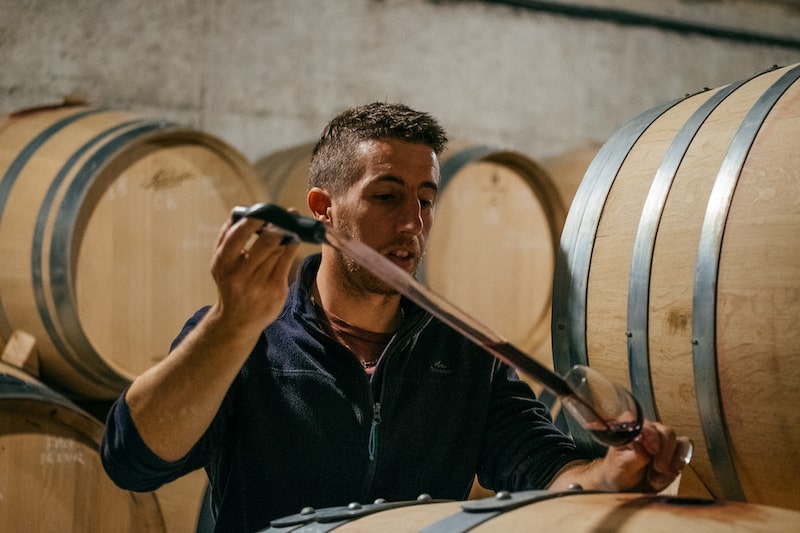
(556, 512)
(107, 224)
(679, 275)
(51, 477)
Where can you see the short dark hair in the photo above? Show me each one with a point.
(334, 165)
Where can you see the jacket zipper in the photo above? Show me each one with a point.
(372, 445)
(373, 431)
(376, 399)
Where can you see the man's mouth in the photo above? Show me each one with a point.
(405, 259)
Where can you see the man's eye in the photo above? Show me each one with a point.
(427, 200)
(384, 197)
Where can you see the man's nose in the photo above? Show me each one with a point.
(412, 217)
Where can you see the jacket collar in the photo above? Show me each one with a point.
(302, 306)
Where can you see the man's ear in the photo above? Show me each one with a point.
(319, 201)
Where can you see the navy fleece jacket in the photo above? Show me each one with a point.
(304, 425)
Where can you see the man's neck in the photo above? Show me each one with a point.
(373, 312)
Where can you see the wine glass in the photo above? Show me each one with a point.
(607, 411)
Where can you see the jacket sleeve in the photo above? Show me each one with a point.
(523, 449)
(129, 462)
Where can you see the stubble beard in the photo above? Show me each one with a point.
(358, 280)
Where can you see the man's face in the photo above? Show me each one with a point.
(389, 208)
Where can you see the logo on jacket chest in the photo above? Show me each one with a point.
(441, 367)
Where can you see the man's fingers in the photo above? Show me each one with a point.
(663, 458)
(286, 260)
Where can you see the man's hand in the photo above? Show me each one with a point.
(648, 464)
(251, 269)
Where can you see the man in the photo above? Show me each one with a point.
(339, 389)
